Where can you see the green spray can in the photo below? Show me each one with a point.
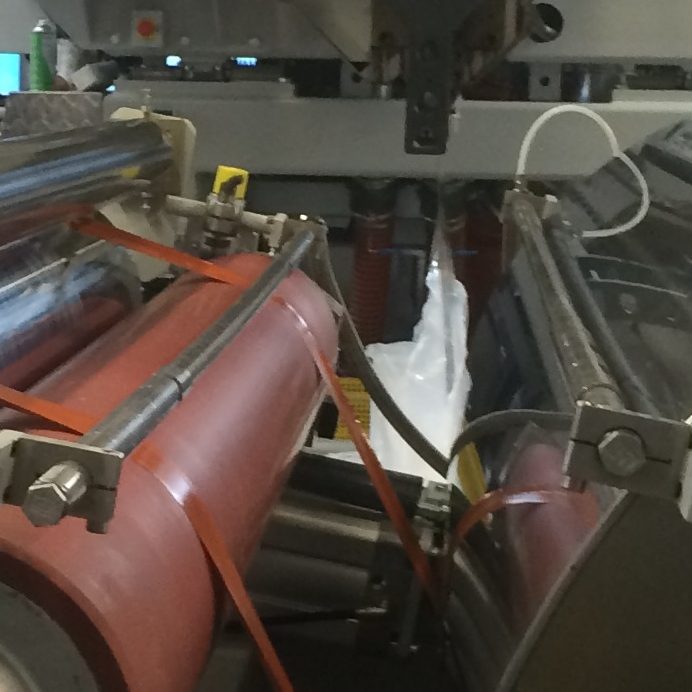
(43, 56)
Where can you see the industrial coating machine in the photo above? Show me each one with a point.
(178, 361)
(130, 404)
(60, 294)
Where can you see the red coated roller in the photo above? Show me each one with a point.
(543, 539)
(141, 601)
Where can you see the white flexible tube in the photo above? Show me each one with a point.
(530, 138)
(643, 205)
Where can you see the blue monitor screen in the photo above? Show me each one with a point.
(10, 66)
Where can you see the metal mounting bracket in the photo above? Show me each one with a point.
(51, 478)
(628, 450)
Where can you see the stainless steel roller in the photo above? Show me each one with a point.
(52, 177)
(58, 292)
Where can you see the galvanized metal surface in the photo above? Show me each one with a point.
(659, 447)
(38, 112)
(52, 478)
(52, 494)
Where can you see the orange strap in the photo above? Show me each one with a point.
(379, 478)
(500, 499)
(197, 513)
(104, 231)
(67, 418)
(214, 544)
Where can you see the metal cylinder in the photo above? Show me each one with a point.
(43, 56)
(141, 601)
(372, 202)
(52, 177)
(58, 293)
(154, 399)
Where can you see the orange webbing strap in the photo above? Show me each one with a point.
(104, 231)
(199, 517)
(213, 542)
(215, 546)
(379, 478)
(500, 499)
(71, 420)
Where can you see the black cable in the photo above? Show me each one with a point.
(316, 616)
(491, 424)
(358, 360)
(499, 421)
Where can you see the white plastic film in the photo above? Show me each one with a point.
(427, 376)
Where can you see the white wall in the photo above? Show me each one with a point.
(17, 19)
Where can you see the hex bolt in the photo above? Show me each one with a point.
(622, 452)
(51, 495)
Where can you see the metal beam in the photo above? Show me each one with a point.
(616, 31)
(364, 137)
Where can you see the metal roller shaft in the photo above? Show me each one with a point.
(57, 294)
(122, 430)
(51, 177)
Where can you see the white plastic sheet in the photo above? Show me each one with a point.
(427, 377)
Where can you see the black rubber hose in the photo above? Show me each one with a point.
(357, 358)
(499, 421)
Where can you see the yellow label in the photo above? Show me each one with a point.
(224, 173)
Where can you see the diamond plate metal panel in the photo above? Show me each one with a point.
(38, 112)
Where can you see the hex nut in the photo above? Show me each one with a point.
(44, 505)
(54, 492)
(622, 452)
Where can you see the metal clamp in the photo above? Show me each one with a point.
(628, 450)
(220, 222)
(50, 479)
(435, 503)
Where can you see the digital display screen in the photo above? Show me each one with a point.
(10, 72)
